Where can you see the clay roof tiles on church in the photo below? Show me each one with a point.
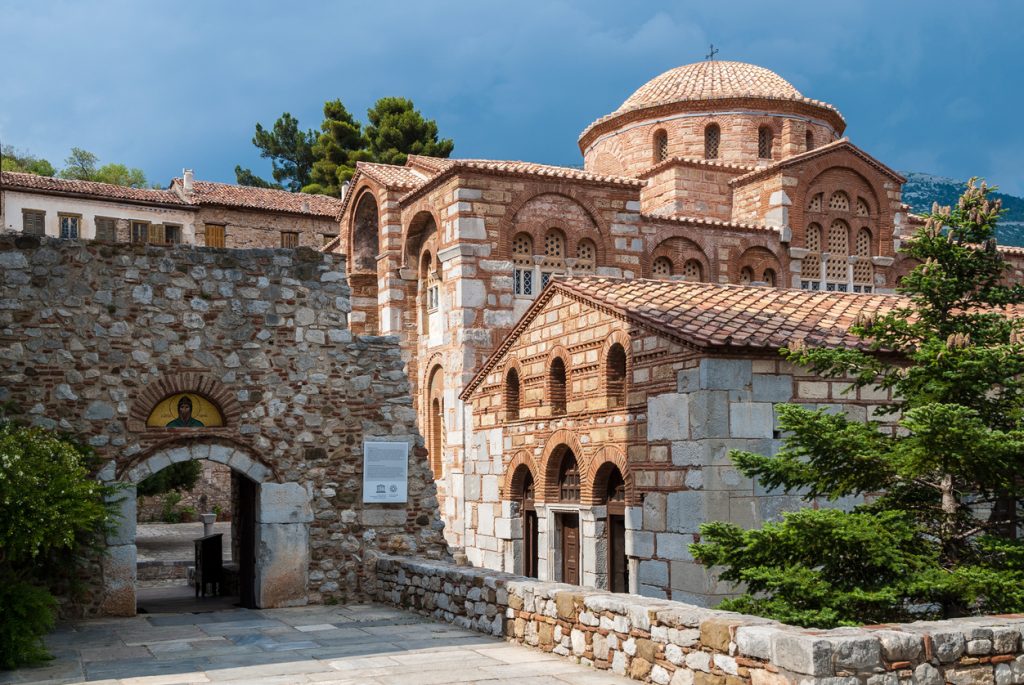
(247, 197)
(393, 176)
(714, 317)
(63, 186)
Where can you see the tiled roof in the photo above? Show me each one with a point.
(47, 184)
(711, 316)
(707, 221)
(393, 176)
(711, 80)
(448, 167)
(228, 195)
(842, 143)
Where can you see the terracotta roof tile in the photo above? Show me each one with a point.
(228, 195)
(707, 221)
(49, 184)
(394, 176)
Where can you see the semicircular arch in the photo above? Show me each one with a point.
(555, 448)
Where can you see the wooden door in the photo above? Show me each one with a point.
(246, 522)
(530, 543)
(618, 570)
(571, 549)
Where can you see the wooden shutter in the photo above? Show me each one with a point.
(106, 229)
(214, 235)
(33, 222)
(156, 234)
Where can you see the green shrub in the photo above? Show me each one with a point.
(177, 477)
(50, 507)
(170, 513)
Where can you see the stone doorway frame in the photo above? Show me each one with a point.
(283, 517)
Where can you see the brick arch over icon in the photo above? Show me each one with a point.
(554, 449)
(509, 225)
(194, 383)
(596, 480)
(222, 451)
(512, 483)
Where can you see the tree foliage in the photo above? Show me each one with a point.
(936, 534)
(24, 162)
(321, 162)
(182, 475)
(82, 165)
(49, 506)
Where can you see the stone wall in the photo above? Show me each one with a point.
(93, 336)
(670, 643)
(257, 228)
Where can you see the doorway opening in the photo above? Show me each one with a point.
(615, 529)
(568, 523)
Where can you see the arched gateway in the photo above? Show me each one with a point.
(270, 534)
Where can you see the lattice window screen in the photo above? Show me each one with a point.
(815, 204)
(692, 271)
(764, 142)
(768, 277)
(839, 202)
(810, 268)
(746, 276)
(839, 252)
(586, 255)
(862, 207)
(662, 267)
(863, 272)
(712, 139)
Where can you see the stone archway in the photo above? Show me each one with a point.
(281, 520)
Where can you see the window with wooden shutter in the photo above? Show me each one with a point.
(33, 222)
(156, 234)
(106, 229)
(289, 239)
(214, 235)
(140, 232)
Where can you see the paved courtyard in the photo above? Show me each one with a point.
(351, 645)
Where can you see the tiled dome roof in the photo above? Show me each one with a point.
(711, 80)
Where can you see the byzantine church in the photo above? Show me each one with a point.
(585, 345)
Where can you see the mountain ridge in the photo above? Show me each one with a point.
(922, 189)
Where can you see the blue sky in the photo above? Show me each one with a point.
(924, 86)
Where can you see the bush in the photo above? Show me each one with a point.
(49, 507)
(177, 477)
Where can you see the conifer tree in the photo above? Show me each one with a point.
(937, 532)
(397, 130)
(336, 150)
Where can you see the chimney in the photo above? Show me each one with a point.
(344, 189)
(187, 177)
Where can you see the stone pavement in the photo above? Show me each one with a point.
(350, 645)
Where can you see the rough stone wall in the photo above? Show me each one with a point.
(685, 410)
(671, 643)
(93, 335)
(251, 228)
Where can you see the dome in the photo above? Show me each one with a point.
(711, 80)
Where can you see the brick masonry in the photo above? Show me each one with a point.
(93, 336)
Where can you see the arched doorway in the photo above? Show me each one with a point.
(435, 421)
(523, 495)
(613, 497)
(363, 278)
(568, 522)
(272, 519)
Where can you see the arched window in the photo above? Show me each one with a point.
(839, 202)
(661, 268)
(512, 395)
(660, 145)
(435, 421)
(863, 270)
(769, 277)
(554, 256)
(810, 269)
(692, 271)
(838, 255)
(815, 204)
(557, 382)
(586, 255)
(522, 263)
(568, 478)
(746, 276)
(712, 139)
(615, 375)
(430, 291)
(764, 142)
(862, 207)
(809, 138)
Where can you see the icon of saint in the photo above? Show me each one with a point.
(185, 418)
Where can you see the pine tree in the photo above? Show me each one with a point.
(290, 150)
(336, 150)
(936, 533)
(397, 130)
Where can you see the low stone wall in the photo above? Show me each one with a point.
(665, 642)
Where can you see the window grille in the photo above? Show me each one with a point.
(746, 275)
(769, 277)
(815, 204)
(662, 267)
(764, 142)
(810, 269)
(660, 146)
(69, 227)
(586, 255)
(522, 260)
(692, 271)
(862, 207)
(839, 202)
(839, 252)
(863, 272)
(712, 139)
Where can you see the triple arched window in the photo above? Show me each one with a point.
(531, 274)
(838, 257)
